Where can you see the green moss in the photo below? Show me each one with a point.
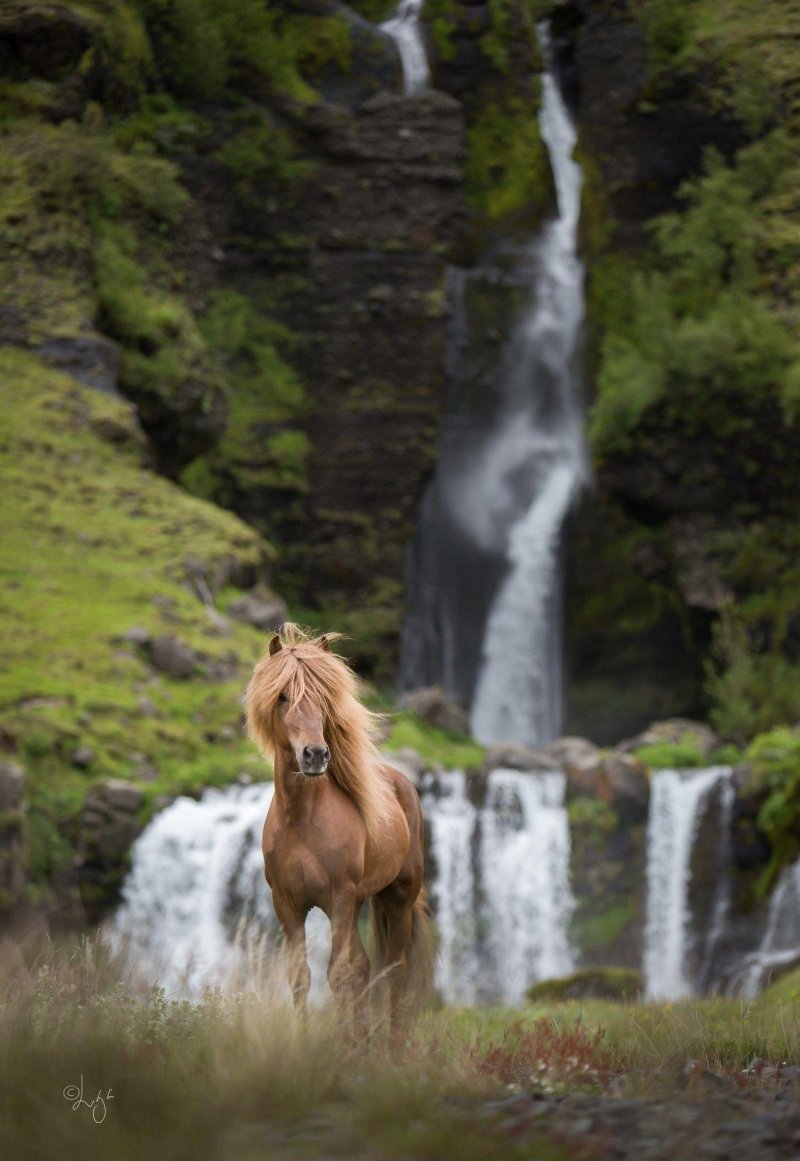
(508, 172)
(774, 760)
(436, 746)
(601, 983)
(672, 755)
(600, 931)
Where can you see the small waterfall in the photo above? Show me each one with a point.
(485, 590)
(501, 885)
(780, 945)
(404, 29)
(196, 881)
(677, 799)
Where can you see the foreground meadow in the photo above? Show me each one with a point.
(92, 1067)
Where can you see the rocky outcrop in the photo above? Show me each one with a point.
(107, 827)
(369, 239)
(12, 838)
(432, 706)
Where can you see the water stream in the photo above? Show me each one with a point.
(485, 590)
(404, 28)
(677, 800)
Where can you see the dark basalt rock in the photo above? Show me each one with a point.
(42, 40)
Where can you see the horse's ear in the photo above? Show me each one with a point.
(275, 645)
(324, 644)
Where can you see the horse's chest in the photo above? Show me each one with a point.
(307, 871)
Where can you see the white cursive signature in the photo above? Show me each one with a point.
(74, 1093)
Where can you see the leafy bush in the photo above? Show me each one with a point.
(701, 334)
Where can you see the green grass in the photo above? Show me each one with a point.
(239, 1075)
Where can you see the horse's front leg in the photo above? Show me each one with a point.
(293, 922)
(348, 970)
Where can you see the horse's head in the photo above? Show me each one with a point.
(286, 707)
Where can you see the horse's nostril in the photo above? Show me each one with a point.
(316, 753)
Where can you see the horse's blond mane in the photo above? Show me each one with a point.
(303, 667)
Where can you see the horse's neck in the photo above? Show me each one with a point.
(296, 794)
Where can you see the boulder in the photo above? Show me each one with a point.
(260, 608)
(173, 657)
(674, 732)
(598, 983)
(108, 825)
(515, 757)
(432, 706)
(83, 757)
(94, 361)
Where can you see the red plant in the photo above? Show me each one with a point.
(546, 1057)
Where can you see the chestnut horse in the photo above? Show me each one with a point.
(342, 828)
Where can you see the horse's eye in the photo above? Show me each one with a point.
(284, 697)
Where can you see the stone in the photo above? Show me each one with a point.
(173, 657)
(516, 757)
(117, 794)
(674, 732)
(138, 636)
(93, 361)
(107, 827)
(432, 706)
(627, 785)
(261, 609)
(83, 757)
(12, 784)
(146, 707)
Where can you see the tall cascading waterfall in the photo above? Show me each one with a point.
(485, 617)
(404, 28)
(196, 903)
(677, 801)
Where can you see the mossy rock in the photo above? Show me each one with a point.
(601, 983)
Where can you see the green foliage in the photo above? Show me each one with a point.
(774, 760)
(672, 755)
(239, 42)
(507, 173)
(259, 149)
(700, 333)
(750, 689)
(667, 26)
(263, 445)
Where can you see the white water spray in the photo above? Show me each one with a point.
(404, 28)
(676, 802)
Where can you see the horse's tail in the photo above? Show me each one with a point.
(420, 950)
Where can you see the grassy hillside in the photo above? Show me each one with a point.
(95, 544)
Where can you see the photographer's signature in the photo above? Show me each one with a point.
(99, 1105)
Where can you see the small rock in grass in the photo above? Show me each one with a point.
(261, 609)
(83, 757)
(173, 657)
(138, 636)
(12, 781)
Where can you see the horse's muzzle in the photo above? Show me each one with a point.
(315, 760)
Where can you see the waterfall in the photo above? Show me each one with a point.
(404, 29)
(196, 883)
(197, 912)
(501, 889)
(780, 945)
(677, 799)
(485, 592)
